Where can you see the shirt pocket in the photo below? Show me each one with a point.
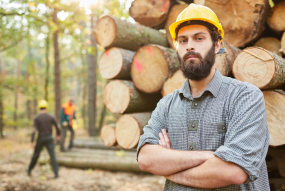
(214, 135)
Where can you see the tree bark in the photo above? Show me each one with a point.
(108, 135)
(47, 68)
(151, 67)
(2, 77)
(114, 32)
(129, 129)
(172, 16)
(275, 17)
(17, 75)
(243, 21)
(149, 12)
(122, 97)
(225, 60)
(173, 83)
(283, 44)
(115, 63)
(92, 62)
(260, 67)
(270, 43)
(57, 89)
(275, 111)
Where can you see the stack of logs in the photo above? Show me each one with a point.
(142, 64)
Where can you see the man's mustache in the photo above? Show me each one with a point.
(192, 53)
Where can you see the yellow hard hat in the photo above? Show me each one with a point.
(43, 104)
(196, 13)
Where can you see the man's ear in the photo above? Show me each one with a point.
(217, 46)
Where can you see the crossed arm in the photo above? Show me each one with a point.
(191, 168)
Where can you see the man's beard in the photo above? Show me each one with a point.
(197, 70)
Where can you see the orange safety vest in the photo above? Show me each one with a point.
(69, 110)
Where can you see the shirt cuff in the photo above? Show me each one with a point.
(143, 142)
(228, 155)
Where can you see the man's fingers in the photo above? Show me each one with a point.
(162, 140)
(166, 138)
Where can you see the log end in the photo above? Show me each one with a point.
(173, 83)
(110, 63)
(105, 31)
(108, 135)
(254, 65)
(269, 43)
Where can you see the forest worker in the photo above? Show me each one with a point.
(211, 133)
(67, 114)
(43, 124)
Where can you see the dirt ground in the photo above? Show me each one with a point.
(15, 155)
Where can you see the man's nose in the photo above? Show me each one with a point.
(190, 47)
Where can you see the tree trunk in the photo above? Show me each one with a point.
(115, 63)
(114, 32)
(172, 16)
(129, 129)
(275, 111)
(173, 83)
(114, 160)
(283, 44)
(122, 97)
(56, 68)
(17, 75)
(102, 116)
(260, 67)
(92, 62)
(2, 77)
(47, 68)
(275, 17)
(151, 67)
(149, 12)
(243, 21)
(225, 60)
(269, 43)
(108, 135)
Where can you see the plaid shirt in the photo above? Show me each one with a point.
(229, 117)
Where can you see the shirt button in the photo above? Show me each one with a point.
(193, 125)
(191, 148)
(224, 128)
(196, 104)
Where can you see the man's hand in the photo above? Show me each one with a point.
(58, 137)
(164, 140)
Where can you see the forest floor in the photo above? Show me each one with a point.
(15, 155)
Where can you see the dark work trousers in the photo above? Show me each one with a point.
(46, 141)
(63, 135)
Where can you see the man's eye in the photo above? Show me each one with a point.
(182, 41)
(200, 38)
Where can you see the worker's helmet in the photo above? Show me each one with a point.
(196, 14)
(43, 104)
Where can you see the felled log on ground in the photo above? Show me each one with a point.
(260, 67)
(129, 129)
(150, 13)
(121, 96)
(115, 63)
(115, 161)
(225, 60)
(173, 83)
(270, 43)
(171, 18)
(151, 66)
(93, 144)
(275, 111)
(243, 21)
(114, 32)
(107, 135)
(275, 17)
(283, 44)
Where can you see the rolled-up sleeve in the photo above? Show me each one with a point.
(247, 137)
(156, 123)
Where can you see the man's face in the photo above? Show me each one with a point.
(71, 102)
(196, 51)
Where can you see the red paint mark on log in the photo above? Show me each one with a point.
(149, 50)
(164, 6)
(107, 53)
(138, 65)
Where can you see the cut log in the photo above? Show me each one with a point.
(243, 21)
(129, 129)
(172, 16)
(173, 83)
(269, 43)
(151, 66)
(275, 17)
(116, 161)
(121, 97)
(224, 61)
(108, 135)
(275, 111)
(260, 67)
(115, 63)
(114, 32)
(283, 44)
(149, 12)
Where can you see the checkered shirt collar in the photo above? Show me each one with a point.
(213, 86)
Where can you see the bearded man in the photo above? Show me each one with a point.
(211, 134)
